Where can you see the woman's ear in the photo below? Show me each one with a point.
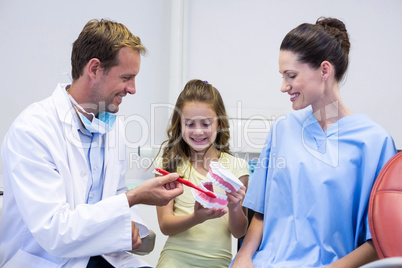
(326, 70)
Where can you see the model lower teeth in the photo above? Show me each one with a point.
(220, 177)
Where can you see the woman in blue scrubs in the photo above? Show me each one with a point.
(311, 187)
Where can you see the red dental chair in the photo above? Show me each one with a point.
(385, 215)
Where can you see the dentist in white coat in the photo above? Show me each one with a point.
(65, 199)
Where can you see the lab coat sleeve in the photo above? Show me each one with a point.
(33, 155)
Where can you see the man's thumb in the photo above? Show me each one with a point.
(170, 177)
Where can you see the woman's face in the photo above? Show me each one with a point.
(303, 83)
(199, 125)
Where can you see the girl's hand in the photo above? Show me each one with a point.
(235, 198)
(203, 214)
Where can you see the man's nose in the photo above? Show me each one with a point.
(130, 88)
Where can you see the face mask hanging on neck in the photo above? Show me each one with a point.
(102, 124)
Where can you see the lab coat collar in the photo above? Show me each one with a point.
(66, 114)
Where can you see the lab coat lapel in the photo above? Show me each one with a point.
(78, 173)
(78, 166)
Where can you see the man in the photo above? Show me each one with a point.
(65, 198)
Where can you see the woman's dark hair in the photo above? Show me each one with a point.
(326, 40)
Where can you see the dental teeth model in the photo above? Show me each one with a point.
(221, 177)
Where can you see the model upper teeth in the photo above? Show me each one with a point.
(219, 184)
(222, 177)
(293, 95)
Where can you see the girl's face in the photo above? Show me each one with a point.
(199, 125)
(303, 83)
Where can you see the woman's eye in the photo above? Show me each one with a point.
(291, 76)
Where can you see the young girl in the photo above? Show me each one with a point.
(199, 134)
(312, 212)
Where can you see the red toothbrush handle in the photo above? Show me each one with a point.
(185, 182)
(162, 171)
(190, 184)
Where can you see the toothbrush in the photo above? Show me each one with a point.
(185, 182)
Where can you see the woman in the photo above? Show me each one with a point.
(312, 210)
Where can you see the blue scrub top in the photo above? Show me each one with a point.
(313, 188)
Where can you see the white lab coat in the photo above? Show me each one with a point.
(45, 221)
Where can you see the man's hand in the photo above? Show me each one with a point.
(156, 191)
(135, 237)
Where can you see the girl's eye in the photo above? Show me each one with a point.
(189, 124)
(291, 76)
(207, 123)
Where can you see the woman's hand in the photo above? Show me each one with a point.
(242, 262)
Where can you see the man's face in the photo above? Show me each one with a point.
(109, 90)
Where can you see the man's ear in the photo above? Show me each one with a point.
(93, 67)
(326, 70)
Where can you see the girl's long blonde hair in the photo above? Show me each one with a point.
(175, 149)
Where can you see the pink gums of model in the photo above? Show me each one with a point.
(221, 177)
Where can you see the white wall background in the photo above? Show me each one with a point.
(233, 44)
